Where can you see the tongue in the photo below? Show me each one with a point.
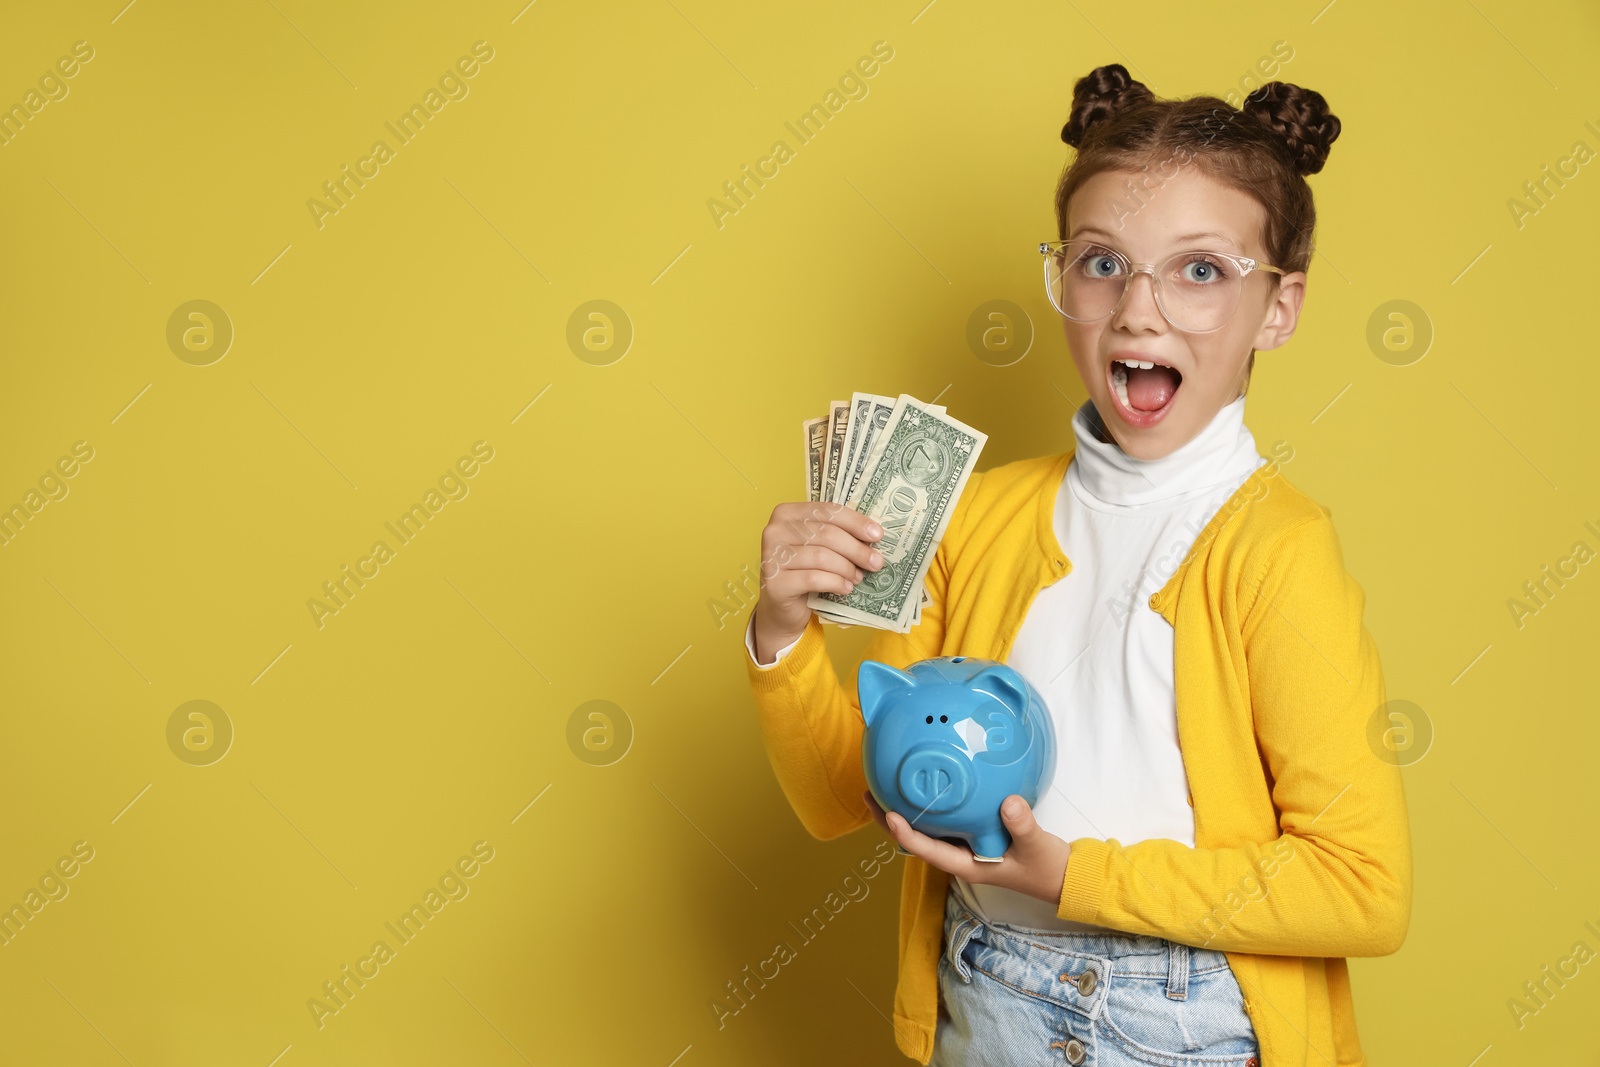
(1149, 390)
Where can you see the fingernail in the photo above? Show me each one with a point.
(874, 530)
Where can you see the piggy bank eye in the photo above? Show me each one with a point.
(930, 718)
(944, 718)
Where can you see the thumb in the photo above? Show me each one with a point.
(1018, 817)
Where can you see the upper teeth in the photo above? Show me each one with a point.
(1119, 376)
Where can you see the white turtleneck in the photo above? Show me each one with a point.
(1101, 656)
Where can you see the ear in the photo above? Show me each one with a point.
(1283, 315)
(1002, 682)
(874, 682)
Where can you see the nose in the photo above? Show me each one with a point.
(1137, 310)
(936, 780)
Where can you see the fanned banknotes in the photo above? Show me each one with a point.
(904, 464)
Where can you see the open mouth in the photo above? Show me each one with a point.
(1144, 388)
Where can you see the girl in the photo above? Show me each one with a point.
(1223, 829)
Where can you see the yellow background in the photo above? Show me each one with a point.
(370, 353)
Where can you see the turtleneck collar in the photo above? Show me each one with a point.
(1108, 479)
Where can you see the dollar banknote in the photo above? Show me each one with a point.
(869, 414)
(900, 462)
(816, 432)
(866, 414)
(837, 427)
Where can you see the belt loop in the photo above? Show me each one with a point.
(1177, 970)
(960, 934)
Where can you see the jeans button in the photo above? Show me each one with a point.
(1087, 982)
(1075, 1053)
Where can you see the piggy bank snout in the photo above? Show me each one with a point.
(936, 779)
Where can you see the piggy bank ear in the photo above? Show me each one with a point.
(874, 682)
(1003, 683)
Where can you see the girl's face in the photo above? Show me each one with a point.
(1212, 365)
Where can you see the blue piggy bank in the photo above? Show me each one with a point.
(949, 738)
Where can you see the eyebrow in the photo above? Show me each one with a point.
(1184, 239)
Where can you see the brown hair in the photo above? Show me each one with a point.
(1265, 148)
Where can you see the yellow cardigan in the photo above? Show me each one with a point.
(1302, 848)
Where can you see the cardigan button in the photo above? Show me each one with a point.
(1155, 600)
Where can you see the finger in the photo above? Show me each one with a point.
(810, 521)
(809, 570)
(1019, 820)
(816, 581)
(852, 542)
(852, 521)
(857, 550)
(824, 558)
(953, 859)
(881, 818)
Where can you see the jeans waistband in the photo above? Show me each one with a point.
(1069, 968)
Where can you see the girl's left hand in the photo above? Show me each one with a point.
(1035, 864)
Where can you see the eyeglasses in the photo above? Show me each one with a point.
(1197, 291)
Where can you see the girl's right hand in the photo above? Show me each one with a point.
(807, 547)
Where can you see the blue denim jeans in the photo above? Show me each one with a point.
(1015, 995)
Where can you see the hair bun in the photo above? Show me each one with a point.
(1300, 117)
(1098, 95)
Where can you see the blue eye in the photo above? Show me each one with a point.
(1202, 271)
(1095, 265)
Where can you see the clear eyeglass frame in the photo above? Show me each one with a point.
(1243, 264)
